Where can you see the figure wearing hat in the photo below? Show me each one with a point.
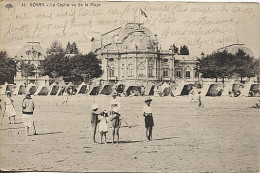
(8, 107)
(94, 120)
(103, 129)
(148, 114)
(28, 108)
(116, 119)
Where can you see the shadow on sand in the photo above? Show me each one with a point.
(125, 142)
(160, 139)
(13, 128)
(51, 133)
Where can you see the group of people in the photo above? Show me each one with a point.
(7, 109)
(197, 99)
(99, 120)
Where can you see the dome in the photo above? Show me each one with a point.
(31, 51)
(136, 36)
(235, 47)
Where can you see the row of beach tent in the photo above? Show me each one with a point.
(127, 89)
(54, 89)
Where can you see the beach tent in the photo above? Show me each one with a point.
(62, 87)
(82, 89)
(246, 89)
(74, 88)
(120, 88)
(236, 88)
(20, 89)
(228, 87)
(106, 89)
(179, 89)
(213, 90)
(165, 89)
(42, 90)
(7, 87)
(149, 89)
(187, 88)
(32, 89)
(255, 89)
(132, 88)
(54, 88)
(94, 90)
(205, 88)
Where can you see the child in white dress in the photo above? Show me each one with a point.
(103, 125)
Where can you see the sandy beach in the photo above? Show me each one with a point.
(221, 137)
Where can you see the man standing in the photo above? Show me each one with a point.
(116, 119)
(148, 114)
(28, 108)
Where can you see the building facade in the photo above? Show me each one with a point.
(31, 53)
(133, 54)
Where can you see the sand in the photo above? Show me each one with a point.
(221, 137)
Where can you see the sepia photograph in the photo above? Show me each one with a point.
(144, 86)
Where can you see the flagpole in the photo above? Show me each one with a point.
(134, 16)
(139, 14)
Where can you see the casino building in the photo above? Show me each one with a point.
(132, 54)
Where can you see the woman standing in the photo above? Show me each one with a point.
(28, 108)
(94, 120)
(148, 114)
(9, 107)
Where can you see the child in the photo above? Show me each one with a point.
(200, 105)
(65, 98)
(94, 120)
(257, 104)
(103, 125)
(9, 107)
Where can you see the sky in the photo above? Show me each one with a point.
(203, 27)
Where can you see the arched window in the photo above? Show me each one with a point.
(178, 72)
(141, 71)
(130, 70)
(187, 73)
(150, 71)
(197, 74)
(111, 72)
(165, 72)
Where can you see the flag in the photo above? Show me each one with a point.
(143, 13)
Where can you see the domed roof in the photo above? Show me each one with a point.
(235, 47)
(31, 51)
(136, 36)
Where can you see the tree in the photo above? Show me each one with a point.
(27, 69)
(55, 64)
(72, 48)
(184, 50)
(85, 66)
(7, 68)
(174, 49)
(246, 65)
(55, 48)
(217, 65)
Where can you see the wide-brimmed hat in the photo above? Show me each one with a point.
(27, 93)
(8, 92)
(148, 99)
(94, 106)
(105, 111)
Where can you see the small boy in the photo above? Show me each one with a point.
(94, 120)
(200, 105)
